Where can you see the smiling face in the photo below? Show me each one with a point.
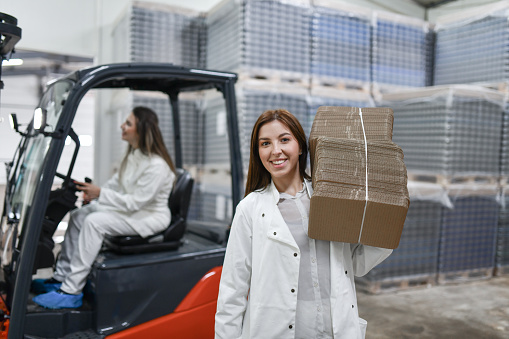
(279, 153)
(129, 131)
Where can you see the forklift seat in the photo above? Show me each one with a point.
(170, 238)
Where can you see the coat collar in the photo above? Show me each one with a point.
(272, 190)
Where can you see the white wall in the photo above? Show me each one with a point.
(73, 27)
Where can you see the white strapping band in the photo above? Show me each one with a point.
(366, 153)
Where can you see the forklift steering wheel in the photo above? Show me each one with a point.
(72, 183)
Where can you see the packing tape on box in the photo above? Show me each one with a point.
(366, 152)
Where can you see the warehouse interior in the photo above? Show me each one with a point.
(440, 65)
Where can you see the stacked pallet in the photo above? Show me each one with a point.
(502, 249)
(241, 38)
(150, 32)
(473, 46)
(504, 151)
(402, 53)
(415, 262)
(468, 233)
(341, 45)
(449, 130)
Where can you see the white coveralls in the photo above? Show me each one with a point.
(136, 204)
(258, 289)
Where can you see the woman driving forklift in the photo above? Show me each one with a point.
(133, 202)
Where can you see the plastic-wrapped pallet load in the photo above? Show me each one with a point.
(341, 45)
(449, 130)
(504, 152)
(359, 178)
(472, 46)
(402, 52)
(468, 233)
(328, 96)
(415, 262)
(149, 32)
(241, 38)
(502, 250)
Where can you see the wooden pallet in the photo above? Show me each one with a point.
(453, 179)
(463, 276)
(501, 270)
(340, 84)
(273, 76)
(395, 284)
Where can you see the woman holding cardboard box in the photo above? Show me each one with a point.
(276, 281)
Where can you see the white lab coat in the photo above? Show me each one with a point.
(141, 196)
(258, 289)
(138, 202)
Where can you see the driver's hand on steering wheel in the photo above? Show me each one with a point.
(90, 191)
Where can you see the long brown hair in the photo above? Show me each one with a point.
(257, 176)
(150, 137)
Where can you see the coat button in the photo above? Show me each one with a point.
(263, 214)
(352, 306)
(295, 254)
(275, 233)
(346, 272)
(290, 327)
(293, 290)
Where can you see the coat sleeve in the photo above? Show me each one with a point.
(112, 183)
(235, 279)
(365, 257)
(148, 185)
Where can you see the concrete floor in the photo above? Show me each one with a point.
(467, 310)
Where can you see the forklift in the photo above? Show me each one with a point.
(164, 286)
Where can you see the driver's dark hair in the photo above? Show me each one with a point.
(257, 176)
(150, 137)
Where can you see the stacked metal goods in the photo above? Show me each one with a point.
(473, 46)
(449, 130)
(453, 134)
(341, 45)
(159, 33)
(504, 152)
(415, 262)
(502, 249)
(241, 38)
(468, 233)
(402, 52)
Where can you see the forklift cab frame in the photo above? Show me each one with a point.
(29, 183)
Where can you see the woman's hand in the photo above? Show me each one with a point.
(90, 191)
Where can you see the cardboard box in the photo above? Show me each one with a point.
(346, 123)
(359, 196)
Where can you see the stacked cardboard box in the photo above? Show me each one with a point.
(359, 177)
